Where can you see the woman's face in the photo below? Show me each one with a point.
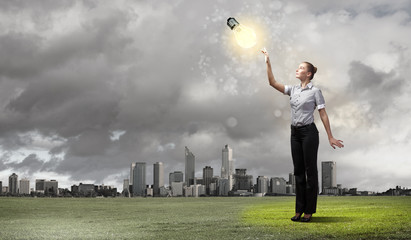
(301, 72)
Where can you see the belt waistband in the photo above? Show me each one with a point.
(301, 127)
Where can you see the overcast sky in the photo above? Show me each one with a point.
(88, 87)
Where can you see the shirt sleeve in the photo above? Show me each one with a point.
(287, 90)
(319, 99)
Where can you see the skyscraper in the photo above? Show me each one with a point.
(158, 175)
(13, 181)
(227, 166)
(329, 174)
(176, 176)
(24, 186)
(139, 179)
(262, 184)
(126, 188)
(207, 178)
(242, 181)
(190, 167)
(40, 184)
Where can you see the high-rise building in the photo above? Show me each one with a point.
(139, 179)
(126, 188)
(24, 186)
(242, 181)
(262, 184)
(133, 165)
(227, 165)
(278, 185)
(207, 178)
(176, 176)
(13, 184)
(158, 175)
(190, 167)
(51, 187)
(227, 162)
(329, 175)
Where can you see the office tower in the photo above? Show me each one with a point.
(13, 186)
(158, 178)
(278, 185)
(227, 162)
(176, 176)
(242, 181)
(177, 189)
(40, 185)
(24, 186)
(223, 187)
(126, 188)
(207, 177)
(329, 174)
(139, 179)
(51, 187)
(262, 184)
(227, 166)
(190, 167)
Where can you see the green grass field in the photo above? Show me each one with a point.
(203, 218)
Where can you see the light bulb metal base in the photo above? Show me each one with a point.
(232, 23)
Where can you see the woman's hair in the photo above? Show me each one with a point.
(311, 68)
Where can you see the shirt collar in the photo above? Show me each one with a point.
(309, 85)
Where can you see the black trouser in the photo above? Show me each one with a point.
(304, 148)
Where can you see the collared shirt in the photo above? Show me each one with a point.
(303, 102)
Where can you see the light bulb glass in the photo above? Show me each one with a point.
(245, 36)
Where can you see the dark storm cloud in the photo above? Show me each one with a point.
(374, 87)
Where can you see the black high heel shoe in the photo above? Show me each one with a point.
(304, 219)
(296, 219)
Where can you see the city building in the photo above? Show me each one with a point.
(24, 186)
(51, 187)
(242, 181)
(262, 185)
(139, 179)
(40, 185)
(190, 167)
(47, 187)
(13, 184)
(133, 165)
(177, 189)
(176, 176)
(223, 187)
(207, 178)
(329, 175)
(278, 185)
(158, 178)
(227, 165)
(126, 188)
(86, 189)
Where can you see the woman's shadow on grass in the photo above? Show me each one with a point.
(331, 219)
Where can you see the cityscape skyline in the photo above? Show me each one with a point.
(89, 87)
(137, 184)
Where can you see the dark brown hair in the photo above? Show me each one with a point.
(311, 68)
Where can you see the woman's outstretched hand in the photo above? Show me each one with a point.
(336, 143)
(264, 51)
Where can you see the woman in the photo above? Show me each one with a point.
(304, 98)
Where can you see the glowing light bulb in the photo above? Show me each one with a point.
(245, 36)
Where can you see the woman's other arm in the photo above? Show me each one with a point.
(324, 118)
